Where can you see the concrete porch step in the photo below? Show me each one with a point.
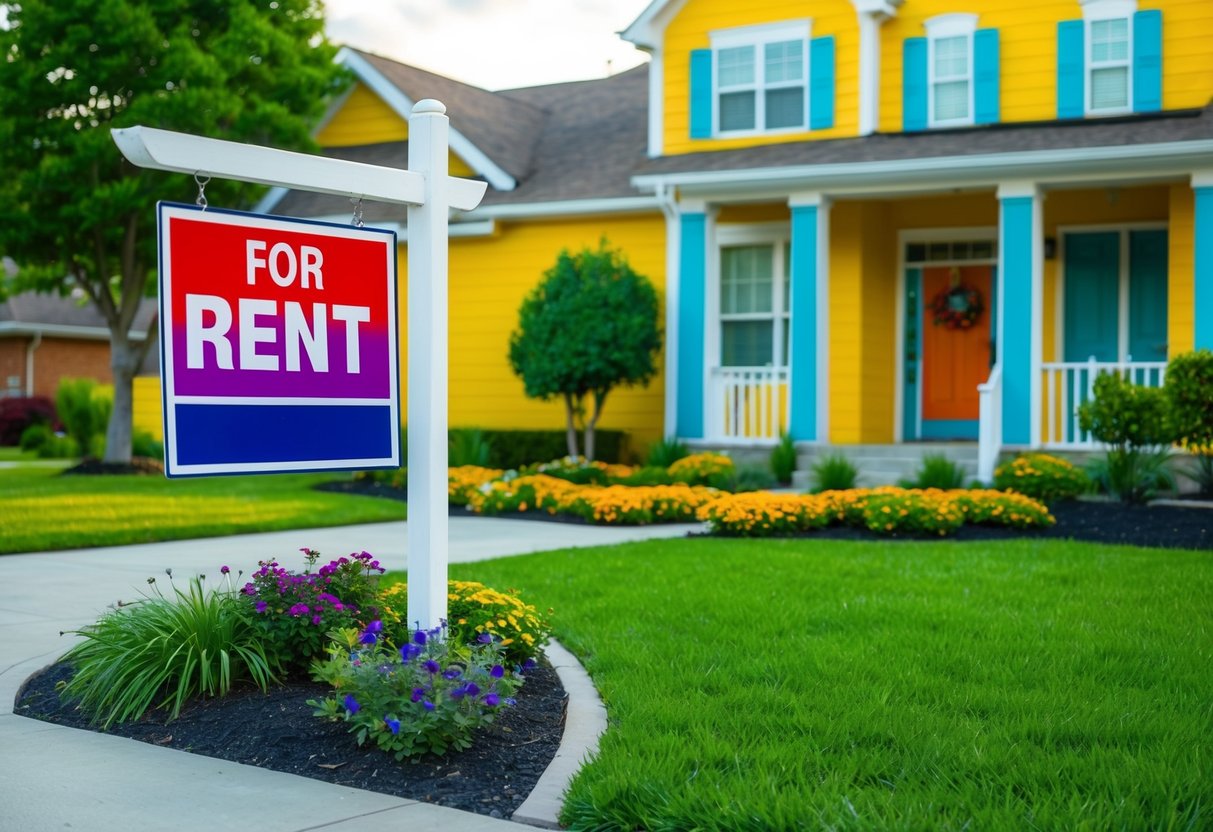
(886, 464)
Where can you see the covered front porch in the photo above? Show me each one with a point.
(978, 314)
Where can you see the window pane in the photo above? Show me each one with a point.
(1110, 88)
(1110, 40)
(952, 100)
(746, 343)
(745, 279)
(952, 57)
(787, 279)
(783, 362)
(736, 66)
(737, 111)
(784, 61)
(785, 108)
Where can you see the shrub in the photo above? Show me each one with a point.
(936, 471)
(707, 468)
(1135, 424)
(85, 409)
(1041, 476)
(922, 512)
(473, 609)
(18, 414)
(572, 469)
(293, 612)
(665, 452)
(749, 478)
(1189, 390)
(47, 444)
(783, 459)
(424, 697)
(465, 481)
(517, 449)
(194, 643)
(468, 446)
(144, 444)
(833, 472)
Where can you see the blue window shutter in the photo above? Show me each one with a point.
(821, 83)
(701, 93)
(1071, 69)
(1147, 61)
(914, 85)
(986, 106)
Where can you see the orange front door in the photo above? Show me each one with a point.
(955, 348)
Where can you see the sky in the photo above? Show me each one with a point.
(494, 44)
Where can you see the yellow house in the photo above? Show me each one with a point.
(873, 222)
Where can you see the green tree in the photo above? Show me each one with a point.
(589, 327)
(73, 213)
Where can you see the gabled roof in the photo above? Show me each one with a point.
(31, 312)
(645, 31)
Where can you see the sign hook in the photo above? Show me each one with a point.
(201, 180)
(356, 220)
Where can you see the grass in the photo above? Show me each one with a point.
(41, 510)
(804, 684)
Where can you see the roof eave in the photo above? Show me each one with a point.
(943, 172)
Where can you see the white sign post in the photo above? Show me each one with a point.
(430, 193)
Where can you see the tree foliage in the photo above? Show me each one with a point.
(73, 213)
(589, 327)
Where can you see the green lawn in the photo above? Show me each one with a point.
(886, 686)
(41, 510)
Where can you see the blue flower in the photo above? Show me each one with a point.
(409, 652)
(492, 700)
(393, 725)
(431, 666)
(418, 694)
(509, 700)
(368, 638)
(497, 672)
(471, 689)
(452, 673)
(428, 705)
(529, 664)
(458, 693)
(351, 704)
(375, 626)
(484, 638)
(419, 637)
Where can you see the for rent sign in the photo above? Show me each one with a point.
(278, 344)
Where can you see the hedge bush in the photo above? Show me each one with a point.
(17, 414)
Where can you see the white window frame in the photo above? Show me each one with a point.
(778, 236)
(938, 28)
(759, 37)
(1097, 11)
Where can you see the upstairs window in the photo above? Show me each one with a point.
(951, 76)
(762, 79)
(1108, 65)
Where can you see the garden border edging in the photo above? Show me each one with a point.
(585, 721)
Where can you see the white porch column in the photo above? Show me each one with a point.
(1020, 309)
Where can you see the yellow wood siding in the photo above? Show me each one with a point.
(364, 118)
(862, 326)
(1028, 45)
(690, 29)
(1181, 265)
(147, 406)
(489, 279)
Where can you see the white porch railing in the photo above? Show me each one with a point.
(747, 403)
(989, 432)
(1067, 384)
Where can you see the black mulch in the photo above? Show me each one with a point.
(277, 731)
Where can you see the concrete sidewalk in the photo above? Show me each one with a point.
(54, 778)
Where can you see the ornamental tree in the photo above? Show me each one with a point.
(589, 327)
(73, 213)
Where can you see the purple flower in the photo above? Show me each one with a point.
(471, 689)
(393, 725)
(484, 638)
(419, 637)
(299, 609)
(249, 589)
(418, 694)
(529, 664)
(492, 700)
(368, 638)
(428, 705)
(351, 704)
(316, 620)
(497, 672)
(375, 626)
(260, 606)
(458, 693)
(453, 673)
(409, 652)
(431, 666)
(223, 570)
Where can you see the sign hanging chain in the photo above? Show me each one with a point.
(201, 200)
(356, 220)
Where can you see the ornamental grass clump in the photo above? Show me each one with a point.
(426, 696)
(163, 650)
(474, 609)
(293, 612)
(1042, 477)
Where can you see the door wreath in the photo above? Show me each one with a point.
(957, 307)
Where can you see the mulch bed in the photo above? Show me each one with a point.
(277, 731)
